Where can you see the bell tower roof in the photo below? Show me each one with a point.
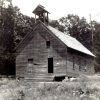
(40, 9)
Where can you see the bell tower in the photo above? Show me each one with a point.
(41, 14)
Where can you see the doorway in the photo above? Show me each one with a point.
(50, 65)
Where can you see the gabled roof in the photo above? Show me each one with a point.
(66, 39)
(39, 9)
(70, 41)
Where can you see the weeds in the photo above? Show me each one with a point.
(79, 89)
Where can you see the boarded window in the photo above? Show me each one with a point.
(30, 61)
(48, 44)
(50, 65)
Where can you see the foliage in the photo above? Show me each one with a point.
(11, 90)
(23, 25)
(13, 27)
(56, 24)
(8, 29)
(6, 39)
(97, 46)
(23, 90)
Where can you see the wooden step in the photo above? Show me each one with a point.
(39, 79)
(34, 75)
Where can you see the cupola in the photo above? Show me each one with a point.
(41, 14)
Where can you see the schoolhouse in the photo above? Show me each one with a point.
(46, 52)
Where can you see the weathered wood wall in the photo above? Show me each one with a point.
(82, 65)
(37, 50)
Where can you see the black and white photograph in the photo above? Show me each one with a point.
(49, 50)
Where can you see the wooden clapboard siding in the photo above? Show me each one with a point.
(62, 59)
(85, 62)
(57, 51)
(36, 50)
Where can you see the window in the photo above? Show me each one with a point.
(30, 65)
(30, 61)
(48, 44)
(50, 65)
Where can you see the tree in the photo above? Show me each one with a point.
(6, 37)
(7, 40)
(13, 27)
(57, 25)
(23, 25)
(97, 46)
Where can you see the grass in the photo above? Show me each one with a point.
(83, 88)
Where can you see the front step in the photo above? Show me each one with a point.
(41, 78)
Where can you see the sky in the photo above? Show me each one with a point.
(60, 8)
